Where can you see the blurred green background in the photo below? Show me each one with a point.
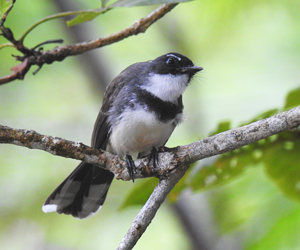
(250, 52)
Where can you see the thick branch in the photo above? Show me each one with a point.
(170, 159)
(60, 147)
(60, 53)
(79, 151)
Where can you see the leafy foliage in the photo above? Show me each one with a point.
(226, 168)
(279, 154)
(292, 99)
(222, 126)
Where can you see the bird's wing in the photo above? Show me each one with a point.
(102, 127)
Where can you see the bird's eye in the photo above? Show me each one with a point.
(170, 61)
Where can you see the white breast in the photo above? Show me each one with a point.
(139, 131)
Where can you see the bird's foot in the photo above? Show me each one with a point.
(130, 166)
(154, 157)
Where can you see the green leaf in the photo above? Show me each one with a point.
(292, 99)
(278, 153)
(222, 126)
(86, 16)
(140, 193)
(5, 6)
(264, 115)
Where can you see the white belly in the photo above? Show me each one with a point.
(138, 132)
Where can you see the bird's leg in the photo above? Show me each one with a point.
(130, 166)
(154, 157)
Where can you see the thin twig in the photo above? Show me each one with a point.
(48, 42)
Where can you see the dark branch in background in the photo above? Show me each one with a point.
(36, 57)
(173, 162)
(191, 227)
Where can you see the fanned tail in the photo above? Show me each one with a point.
(82, 193)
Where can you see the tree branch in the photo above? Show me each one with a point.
(37, 57)
(187, 154)
(173, 162)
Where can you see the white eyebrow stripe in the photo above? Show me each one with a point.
(178, 58)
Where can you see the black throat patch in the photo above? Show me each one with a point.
(164, 111)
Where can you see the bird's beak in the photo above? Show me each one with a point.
(191, 69)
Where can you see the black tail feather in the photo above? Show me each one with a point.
(82, 193)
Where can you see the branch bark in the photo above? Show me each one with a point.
(36, 57)
(173, 162)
